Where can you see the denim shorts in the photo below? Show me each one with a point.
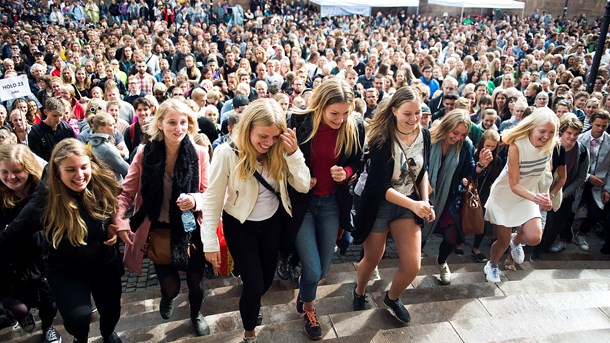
(387, 213)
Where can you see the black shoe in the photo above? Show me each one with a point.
(282, 268)
(312, 326)
(299, 305)
(259, 319)
(605, 249)
(459, 251)
(50, 335)
(113, 338)
(342, 244)
(479, 257)
(293, 273)
(400, 311)
(166, 307)
(27, 323)
(535, 256)
(200, 325)
(359, 301)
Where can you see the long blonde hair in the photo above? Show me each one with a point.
(330, 92)
(262, 112)
(171, 105)
(540, 116)
(23, 156)
(449, 122)
(62, 214)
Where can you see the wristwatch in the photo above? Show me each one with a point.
(480, 165)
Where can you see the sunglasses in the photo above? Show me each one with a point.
(94, 109)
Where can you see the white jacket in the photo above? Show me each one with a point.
(237, 196)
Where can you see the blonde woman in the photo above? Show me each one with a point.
(82, 260)
(165, 168)
(255, 172)
(331, 140)
(451, 160)
(515, 200)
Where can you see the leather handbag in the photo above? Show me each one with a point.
(471, 211)
(159, 246)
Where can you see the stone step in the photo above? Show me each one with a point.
(468, 282)
(525, 326)
(281, 318)
(347, 323)
(222, 285)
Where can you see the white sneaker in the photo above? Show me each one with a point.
(491, 274)
(375, 276)
(445, 273)
(558, 246)
(516, 250)
(582, 243)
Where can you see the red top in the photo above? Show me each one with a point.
(322, 158)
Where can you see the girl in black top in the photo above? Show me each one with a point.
(24, 283)
(82, 261)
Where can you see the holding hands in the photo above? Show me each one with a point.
(424, 210)
(544, 201)
(290, 141)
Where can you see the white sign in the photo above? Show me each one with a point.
(14, 87)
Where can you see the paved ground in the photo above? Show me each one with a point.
(132, 282)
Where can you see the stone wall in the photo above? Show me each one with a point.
(591, 8)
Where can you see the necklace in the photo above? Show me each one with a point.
(406, 133)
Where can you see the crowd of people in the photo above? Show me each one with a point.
(159, 124)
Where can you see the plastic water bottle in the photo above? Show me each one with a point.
(188, 218)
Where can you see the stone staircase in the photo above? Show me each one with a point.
(561, 300)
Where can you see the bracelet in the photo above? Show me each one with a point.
(553, 195)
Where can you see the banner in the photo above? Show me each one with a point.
(14, 87)
(332, 11)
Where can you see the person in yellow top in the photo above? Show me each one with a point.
(92, 11)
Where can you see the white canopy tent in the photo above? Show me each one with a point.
(506, 4)
(362, 7)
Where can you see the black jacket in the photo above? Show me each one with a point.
(79, 260)
(42, 138)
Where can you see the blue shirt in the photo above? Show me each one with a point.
(432, 84)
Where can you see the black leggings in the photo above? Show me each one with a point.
(169, 280)
(28, 294)
(557, 223)
(450, 239)
(73, 297)
(254, 247)
(594, 213)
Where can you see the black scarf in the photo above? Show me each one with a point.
(186, 180)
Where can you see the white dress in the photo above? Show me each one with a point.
(505, 207)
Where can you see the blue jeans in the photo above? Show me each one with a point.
(315, 243)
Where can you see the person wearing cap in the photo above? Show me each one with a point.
(239, 103)
(426, 116)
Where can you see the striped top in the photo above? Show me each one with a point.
(505, 207)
